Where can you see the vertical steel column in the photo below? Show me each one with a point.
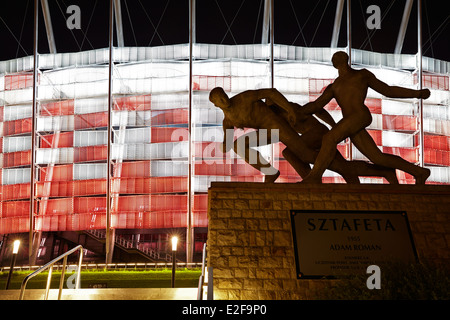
(189, 229)
(337, 23)
(272, 38)
(349, 49)
(48, 26)
(33, 129)
(108, 245)
(420, 80)
(403, 26)
(119, 25)
(349, 32)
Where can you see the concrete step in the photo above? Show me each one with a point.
(105, 294)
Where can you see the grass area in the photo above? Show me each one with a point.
(184, 278)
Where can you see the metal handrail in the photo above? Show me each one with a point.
(205, 277)
(50, 265)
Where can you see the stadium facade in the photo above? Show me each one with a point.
(163, 137)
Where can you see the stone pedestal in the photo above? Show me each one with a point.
(250, 242)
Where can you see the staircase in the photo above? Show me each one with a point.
(130, 247)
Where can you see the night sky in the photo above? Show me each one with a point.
(164, 22)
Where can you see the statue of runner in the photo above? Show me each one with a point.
(350, 90)
(310, 141)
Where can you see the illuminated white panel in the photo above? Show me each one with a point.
(57, 123)
(290, 85)
(20, 96)
(377, 122)
(14, 144)
(202, 183)
(93, 105)
(304, 70)
(438, 97)
(131, 118)
(74, 75)
(436, 112)
(133, 136)
(169, 101)
(435, 126)
(439, 174)
(393, 77)
(151, 70)
(208, 134)
(85, 171)
(396, 139)
(170, 150)
(17, 112)
(209, 116)
(169, 168)
(89, 138)
(50, 156)
(394, 107)
(15, 176)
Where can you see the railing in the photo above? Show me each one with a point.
(127, 244)
(50, 265)
(205, 278)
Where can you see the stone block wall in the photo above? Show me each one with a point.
(250, 242)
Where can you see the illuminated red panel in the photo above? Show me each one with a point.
(132, 169)
(56, 173)
(133, 103)
(409, 154)
(149, 185)
(172, 219)
(58, 108)
(18, 81)
(432, 81)
(318, 85)
(244, 169)
(437, 142)
(200, 202)
(163, 134)
(210, 82)
(376, 136)
(15, 159)
(15, 191)
(1, 113)
(16, 127)
(172, 116)
(373, 104)
(400, 123)
(437, 157)
(57, 140)
(90, 153)
(209, 150)
(91, 120)
(200, 219)
(285, 168)
(15, 209)
(14, 225)
(212, 169)
(168, 202)
(89, 205)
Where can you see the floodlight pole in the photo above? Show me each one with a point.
(13, 262)
(109, 245)
(420, 80)
(31, 255)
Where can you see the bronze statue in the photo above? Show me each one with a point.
(248, 110)
(350, 90)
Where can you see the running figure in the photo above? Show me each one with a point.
(350, 90)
